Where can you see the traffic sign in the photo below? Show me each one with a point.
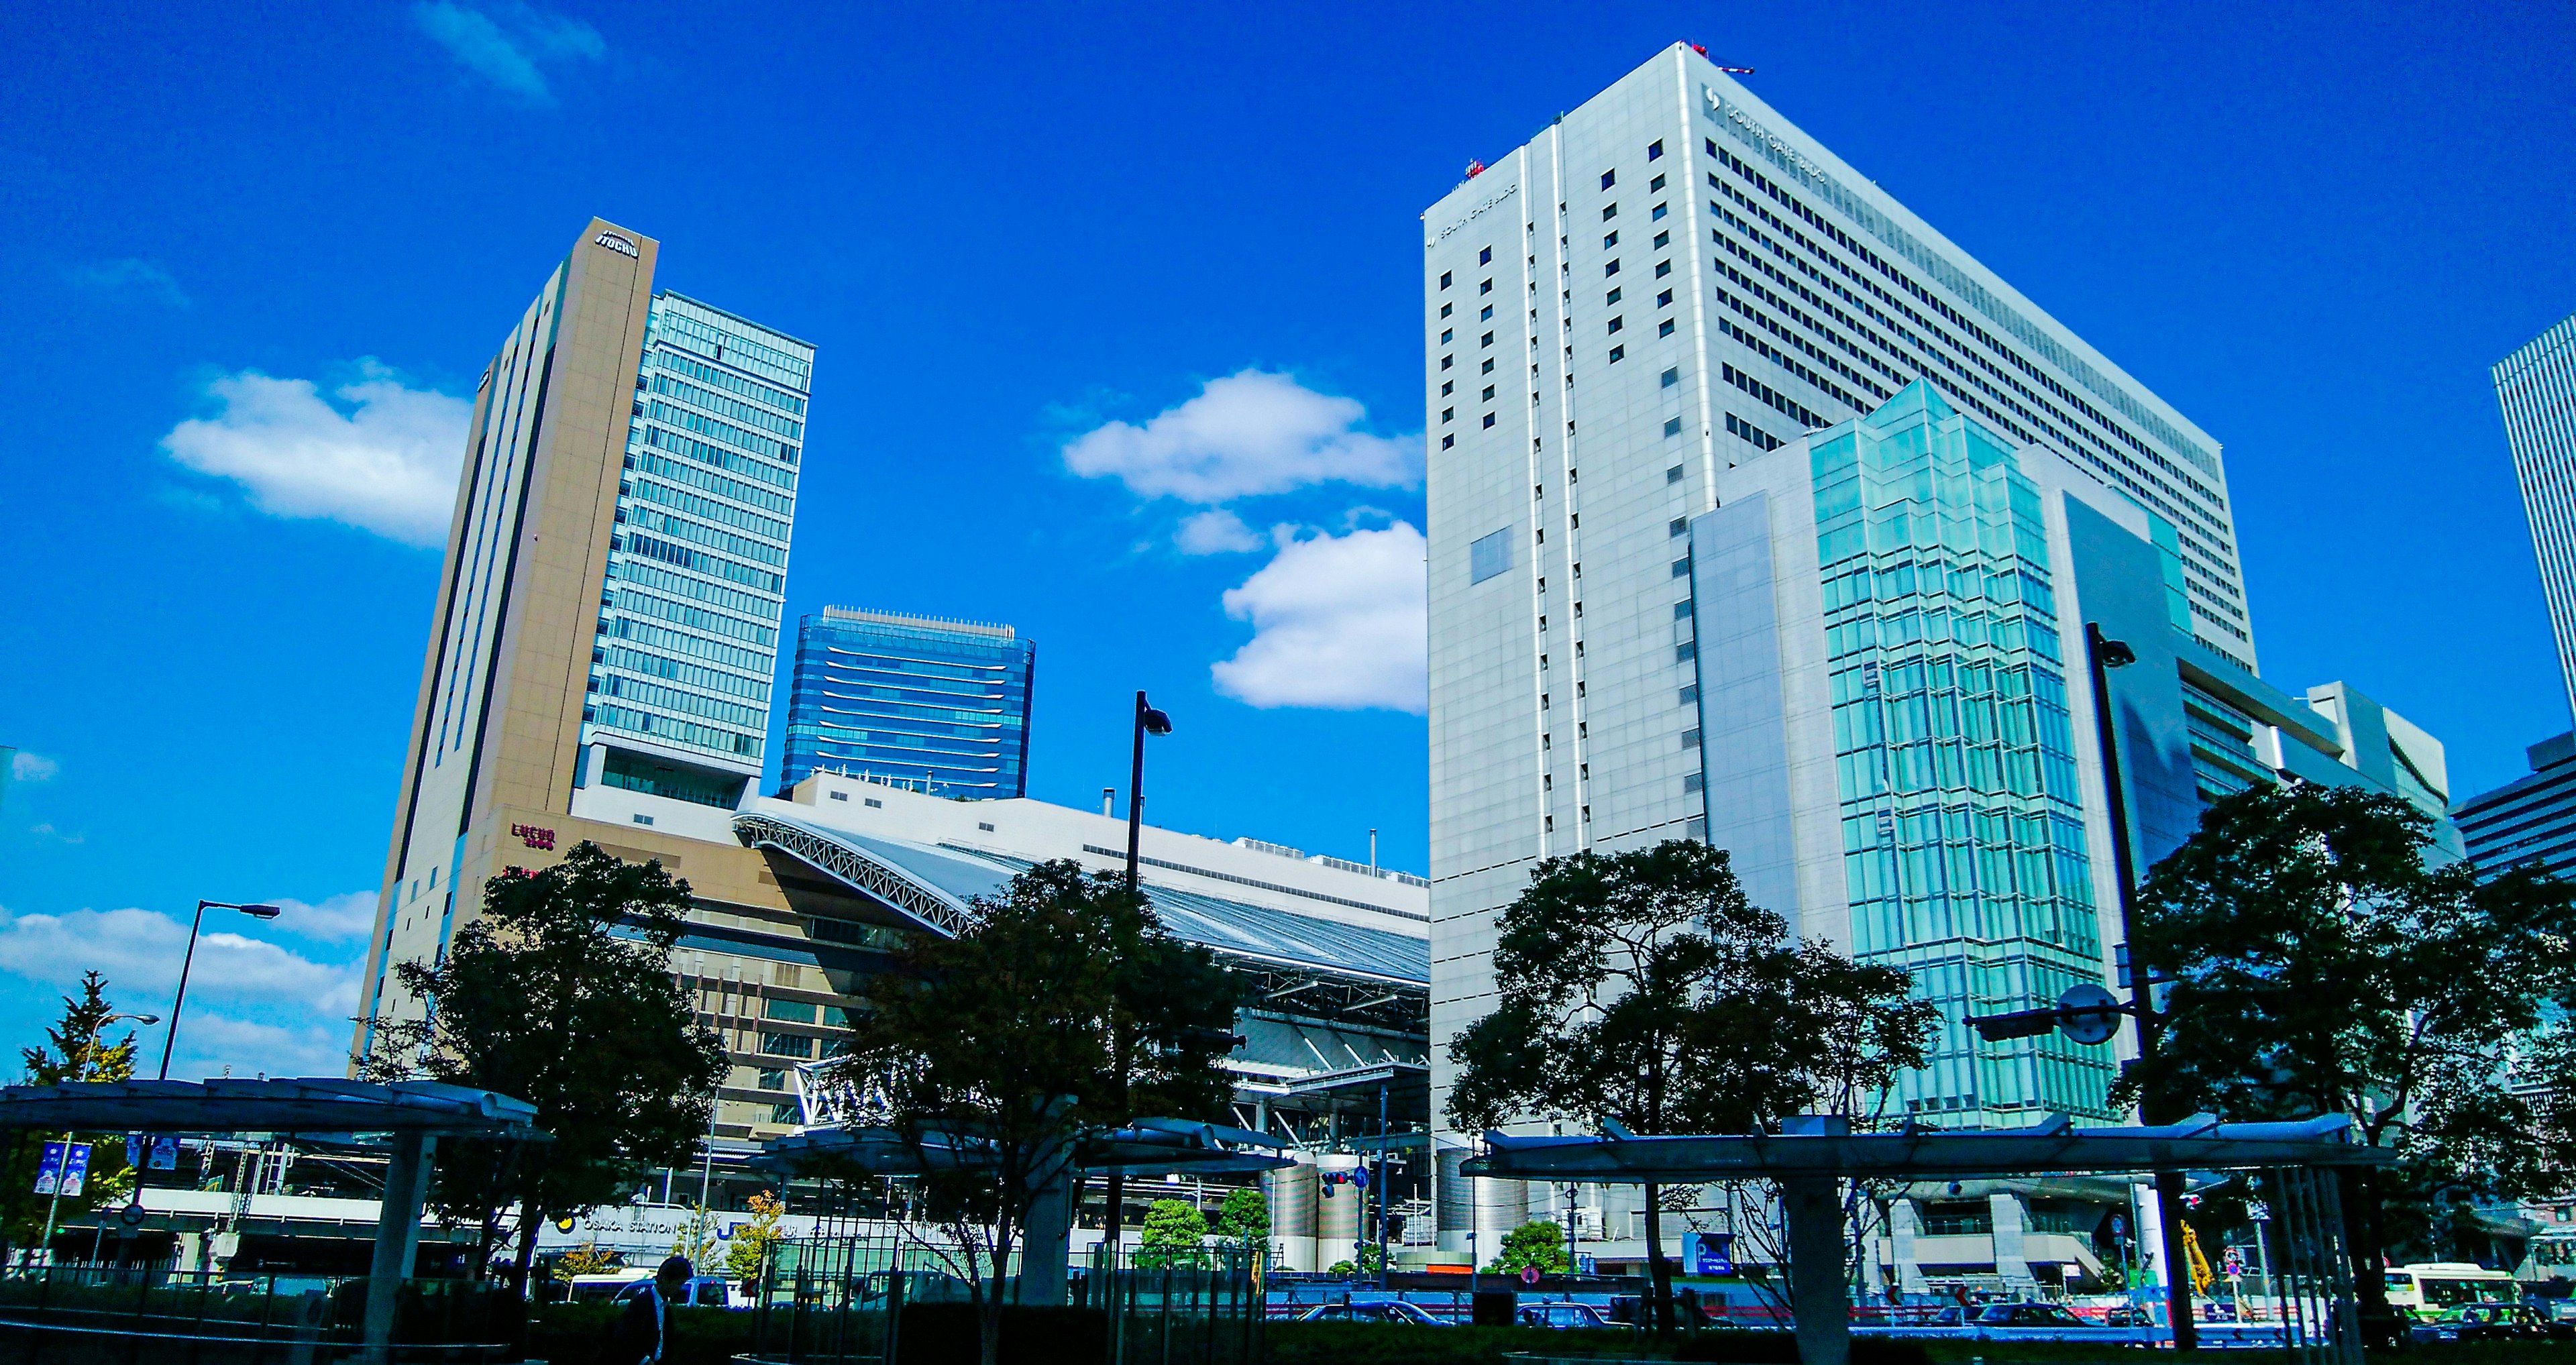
(2088, 1014)
(1529, 1274)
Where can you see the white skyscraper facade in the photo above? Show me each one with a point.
(1672, 282)
(2537, 387)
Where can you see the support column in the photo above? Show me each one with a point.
(1905, 1224)
(1046, 1242)
(1818, 1292)
(397, 1239)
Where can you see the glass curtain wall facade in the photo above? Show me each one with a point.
(2537, 388)
(689, 619)
(935, 706)
(1962, 814)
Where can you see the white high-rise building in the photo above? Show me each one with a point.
(2537, 387)
(1665, 283)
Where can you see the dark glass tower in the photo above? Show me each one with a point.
(935, 706)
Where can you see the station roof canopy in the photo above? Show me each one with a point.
(1307, 958)
(1145, 1145)
(316, 1105)
(2055, 1147)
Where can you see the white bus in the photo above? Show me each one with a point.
(2429, 1287)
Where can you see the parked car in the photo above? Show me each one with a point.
(1567, 1316)
(1392, 1311)
(2493, 1322)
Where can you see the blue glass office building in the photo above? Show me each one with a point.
(688, 620)
(935, 706)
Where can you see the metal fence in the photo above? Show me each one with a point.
(843, 1300)
(1208, 1310)
(107, 1315)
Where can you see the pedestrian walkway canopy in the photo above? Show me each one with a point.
(2055, 1147)
(413, 1115)
(1814, 1153)
(315, 1105)
(1156, 1146)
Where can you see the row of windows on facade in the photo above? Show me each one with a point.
(2106, 460)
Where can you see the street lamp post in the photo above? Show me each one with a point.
(1148, 722)
(88, 1059)
(2102, 655)
(170, 1038)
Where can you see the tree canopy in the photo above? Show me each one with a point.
(1063, 1006)
(2325, 958)
(1175, 1235)
(1540, 1244)
(1644, 988)
(560, 993)
(77, 1047)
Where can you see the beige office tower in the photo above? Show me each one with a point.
(608, 612)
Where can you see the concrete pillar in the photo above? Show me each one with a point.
(2011, 1262)
(1046, 1243)
(1818, 1293)
(1905, 1224)
(397, 1239)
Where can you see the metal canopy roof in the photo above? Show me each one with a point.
(318, 1104)
(2054, 1147)
(1146, 1145)
(931, 887)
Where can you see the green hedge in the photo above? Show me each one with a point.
(573, 1333)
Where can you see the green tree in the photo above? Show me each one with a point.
(1372, 1258)
(1540, 1244)
(2323, 963)
(78, 1047)
(1175, 1234)
(1643, 989)
(748, 1253)
(1006, 1042)
(560, 993)
(1243, 1220)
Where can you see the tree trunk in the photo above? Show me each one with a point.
(2359, 1195)
(1659, 1272)
(988, 1328)
(527, 1247)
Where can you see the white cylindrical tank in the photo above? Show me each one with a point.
(1337, 1210)
(1485, 1205)
(1291, 1192)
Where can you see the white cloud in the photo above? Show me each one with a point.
(1246, 434)
(388, 465)
(130, 275)
(27, 767)
(507, 43)
(210, 1041)
(1339, 622)
(1215, 532)
(348, 915)
(139, 952)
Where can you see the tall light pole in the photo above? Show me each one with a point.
(1148, 722)
(88, 1059)
(170, 1039)
(2103, 655)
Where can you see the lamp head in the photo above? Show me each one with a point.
(2111, 653)
(258, 911)
(1155, 722)
(147, 1020)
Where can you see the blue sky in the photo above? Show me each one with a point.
(2309, 228)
